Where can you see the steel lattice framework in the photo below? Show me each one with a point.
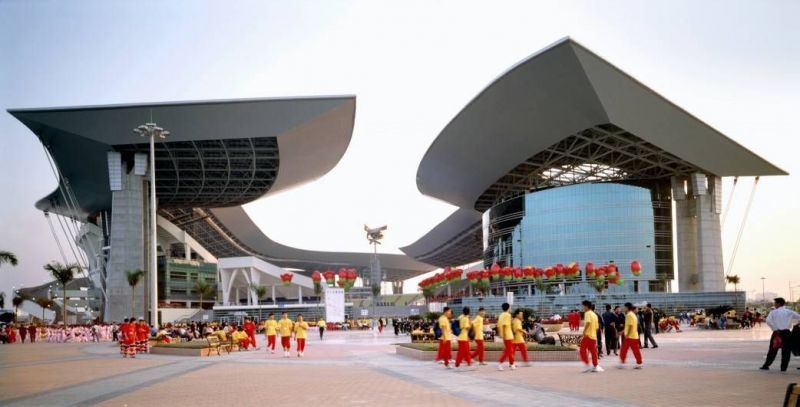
(464, 248)
(212, 173)
(597, 154)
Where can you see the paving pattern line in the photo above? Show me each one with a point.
(479, 389)
(96, 391)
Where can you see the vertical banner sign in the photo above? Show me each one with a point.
(334, 304)
(510, 298)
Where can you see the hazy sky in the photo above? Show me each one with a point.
(412, 66)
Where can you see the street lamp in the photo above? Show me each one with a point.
(151, 131)
(763, 295)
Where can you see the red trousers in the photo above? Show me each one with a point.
(463, 353)
(286, 342)
(479, 350)
(301, 344)
(508, 351)
(590, 346)
(444, 352)
(244, 343)
(523, 349)
(633, 345)
(252, 336)
(271, 341)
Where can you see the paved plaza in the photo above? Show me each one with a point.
(698, 368)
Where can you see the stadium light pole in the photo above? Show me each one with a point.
(151, 131)
(763, 295)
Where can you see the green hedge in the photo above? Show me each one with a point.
(491, 346)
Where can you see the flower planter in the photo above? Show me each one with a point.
(162, 350)
(494, 356)
(553, 327)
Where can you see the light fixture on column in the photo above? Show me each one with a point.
(151, 131)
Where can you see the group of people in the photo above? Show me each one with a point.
(244, 335)
(133, 337)
(57, 333)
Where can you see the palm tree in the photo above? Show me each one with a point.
(63, 273)
(2, 300)
(734, 279)
(133, 277)
(44, 303)
(204, 289)
(260, 291)
(8, 257)
(16, 302)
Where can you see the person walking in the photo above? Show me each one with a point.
(32, 332)
(464, 326)
(444, 353)
(780, 320)
(507, 335)
(477, 329)
(647, 329)
(600, 330)
(285, 327)
(610, 324)
(588, 345)
(270, 331)
(321, 327)
(249, 327)
(300, 335)
(519, 337)
(23, 333)
(630, 337)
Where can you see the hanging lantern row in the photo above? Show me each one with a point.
(347, 278)
(449, 275)
(558, 272)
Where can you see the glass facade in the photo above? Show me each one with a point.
(592, 222)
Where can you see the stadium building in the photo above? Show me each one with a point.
(565, 158)
(218, 156)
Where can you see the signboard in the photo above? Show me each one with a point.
(334, 304)
(414, 311)
(364, 312)
(510, 298)
(205, 317)
(436, 306)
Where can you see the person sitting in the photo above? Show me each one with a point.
(241, 338)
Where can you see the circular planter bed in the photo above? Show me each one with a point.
(536, 352)
(553, 327)
(195, 348)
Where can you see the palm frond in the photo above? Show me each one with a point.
(8, 257)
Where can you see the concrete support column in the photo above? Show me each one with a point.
(187, 250)
(699, 238)
(299, 294)
(273, 295)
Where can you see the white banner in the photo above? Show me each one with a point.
(334, 304)
(510, 298)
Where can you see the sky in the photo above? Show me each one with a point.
(412, 66)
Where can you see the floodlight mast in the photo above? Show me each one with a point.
(151, 131)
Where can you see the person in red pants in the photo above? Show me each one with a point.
(300, 334)
(270, 330)
(589, 341)
(507, 335)
(128, 340)
(477, 329)
(464, 325)
(519, 337)
(142, 335)
(444, 353)
(250, 329)
(630, 337)
(285, 328)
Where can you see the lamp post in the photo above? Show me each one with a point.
(763, 295)
(151, 131)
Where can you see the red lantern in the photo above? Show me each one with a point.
(518, 274)
(550, 273)
(316, 276)
(287, 278)
(330, 277)
(636, 268)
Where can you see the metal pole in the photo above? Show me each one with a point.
(763, 296)
(153, 244)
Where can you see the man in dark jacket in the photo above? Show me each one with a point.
(647, 329)
(610, 323)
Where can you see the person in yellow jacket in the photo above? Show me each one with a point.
(588, 345)
(270, 330)
(519, 336)
(285, 328)
(507, 335)
(300, 334)
(321, 327)
(444, 340)
(630, 339)
(241, 339)
(464, 324)
(477, 329)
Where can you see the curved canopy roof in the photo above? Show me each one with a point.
(219, 153)
(561, 91)
(230, 232)
(561, 116)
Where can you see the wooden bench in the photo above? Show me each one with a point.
(569, 339)
(792, 398)
(213, 344)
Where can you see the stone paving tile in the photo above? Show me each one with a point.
(24, 381)
(268, 384)
(17, 353)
